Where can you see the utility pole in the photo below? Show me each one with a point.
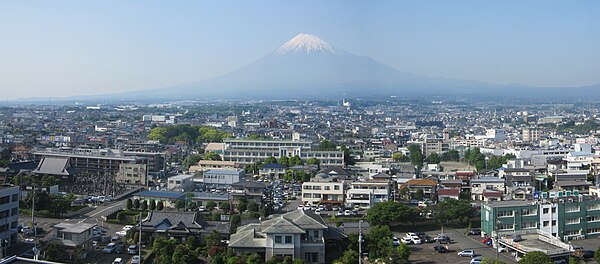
(360, 238)
(140, 240)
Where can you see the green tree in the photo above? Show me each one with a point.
(573, 260)
(252, 207)
(288, 176)
(235, 220)
(284, 160)
(379, 241)
(491, 261)
(348, 158)
(451, 155)
(136, 204)
(182, 254)
(597, 255)
(416, 156)
(397, 156)
(129, 204)
(536, 257)
(434, 158)
(302, 176)
(349, 257)
(254, 259)
(144, 205)
(313, 161)
(419, 194)
(241, 207)
(212, 156)
(295, 161)
(180, 204)
(391, 212)
(122, 217)
(152, 205)
(326, 145)
(224, 206)
(451, 209)
(191, 160)
(210, 205)
(270, 160)
(160, 205)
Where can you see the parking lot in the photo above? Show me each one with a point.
(424, 253)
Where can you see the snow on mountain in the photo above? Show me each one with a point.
(306, 43)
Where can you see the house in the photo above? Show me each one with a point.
(365, 194)
(520, 186)
(444, 194)
(178, 225)
(249, 189)
(323, 189)
(336, 171)
(272, 171)
(299, 234)
(479, 186)
(75, 239)
(428, 186)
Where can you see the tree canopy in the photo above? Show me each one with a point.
(387, 213)
(536, 257)
(186, 133)
(416, 156)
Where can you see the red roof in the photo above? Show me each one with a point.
(448, 192)
(488, 193)
(465, 173)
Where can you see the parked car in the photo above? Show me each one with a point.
(443, 240)
(110, 248)
(467, 253)
(475, 260)
(118, 261)
(395, 241)
(136, 260)
(440, 249)
(407, 240)
(127, 227)
(517, 238)
(502, 249)
(582, 254)
(416, 240)
(119, 249)
(121, 233)
(474, 231)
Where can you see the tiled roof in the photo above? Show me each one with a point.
(424, 182)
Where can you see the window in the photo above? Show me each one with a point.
(527, 212)
(595, 218)
(14, 211)
(529, 225)
(336, 187)
(505, 226)
(546, 223)
(593, 230)
(572, 233)
(327, 188)
(505, 213)
(288, 239)
(572, 208)
(316, 195)
(546, 210)
(553, 210)
(277, 239)
(307, 195)
(316, 187)
(316, 234)
(572, 221)
(15, 197)
(553, 222)
(307, 187)
(592, 207)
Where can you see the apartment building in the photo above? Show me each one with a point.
(365, 194)
(323, 189)
(9, 213)
(222, 178)
(482, 188)
(248, 151)
(132, 174)
(180, 183)
(75, 239)
(213, 164)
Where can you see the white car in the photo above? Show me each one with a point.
(395, 241)
(476, 260)
(467, 253)
(127, 228)
(407, 240)
(416, 240)
(136, 260)
(121, 233)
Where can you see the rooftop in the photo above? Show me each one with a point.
(160, 194)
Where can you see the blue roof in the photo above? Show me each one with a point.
(273, 166)
(160, 194)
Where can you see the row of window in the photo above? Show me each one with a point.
(288, 240)
(318, 187)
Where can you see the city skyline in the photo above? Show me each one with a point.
(70, 48)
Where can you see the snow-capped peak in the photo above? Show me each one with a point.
(305, 43)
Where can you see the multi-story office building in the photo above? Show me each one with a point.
(247, 151)
(132, 174)
(222, 178)
(9, 213)
(323, 189)
(564, 217)
(102, 162)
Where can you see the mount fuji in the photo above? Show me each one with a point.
(307, 66)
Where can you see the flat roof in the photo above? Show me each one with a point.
(532, 242)
(74, 228)
(160, 194)
(509, 203)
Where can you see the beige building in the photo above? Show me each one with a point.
(323, 189)
(132, 174)
(365, 194)
(213, 164)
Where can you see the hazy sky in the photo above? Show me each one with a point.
(63, 48)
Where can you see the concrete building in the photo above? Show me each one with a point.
(323, 189)
(247, 151)
(530, 134)
(486, 184)
(76, 239)
(222, 178)
(299, 234)
(366, 194)
(181, 183)
(9, 213)
(132, 174)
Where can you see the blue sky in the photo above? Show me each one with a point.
(62, 48)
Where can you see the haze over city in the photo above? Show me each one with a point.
(70, 48)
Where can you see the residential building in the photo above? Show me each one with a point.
(486, 184)
(132, 174)
(213, 164)
(272, 171)
(9, 213)
(74, 238)
(444, 194)
(248, 151)
(429, 187)
(323, 189)
(299, 234)
(365, 194)
(178, 225)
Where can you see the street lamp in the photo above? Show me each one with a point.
(360, 239)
